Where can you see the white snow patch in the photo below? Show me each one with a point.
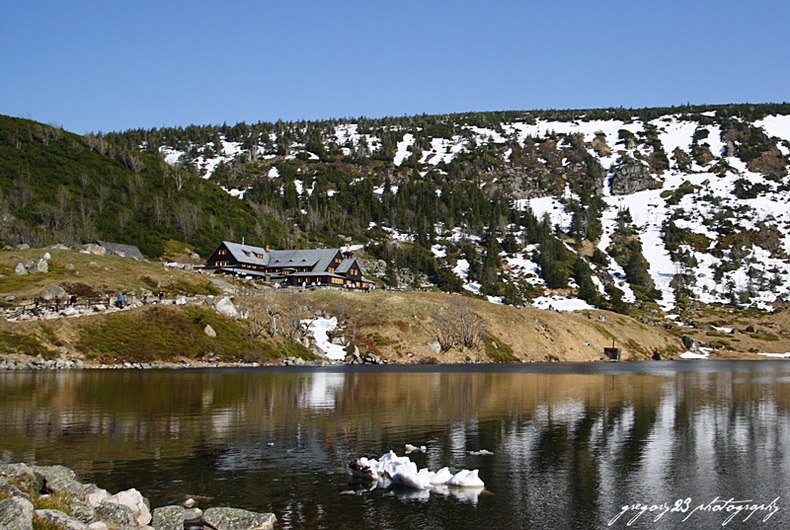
(320, 329)
(402, 152)
(561, 303)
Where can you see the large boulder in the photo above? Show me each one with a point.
(237, 519)
(224, 306)
(53, 291)
(16, 513)
(135, 501)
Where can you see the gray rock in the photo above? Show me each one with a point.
(225, 306)
(42, 266)
(46, 256)
(98, 525)
(193, 515)
(60, 520)
(53, 291)
(21, 477)
(58, 479)
(82, 511)
(20, 269)
(630, 176)
(117, 516)
(435, 347)
(135, 501)
(236, 519)
(169, 518)
(208, 330)
(92, 248)
(16, 513)
(23, 246)
(689, 343)
(69, 266)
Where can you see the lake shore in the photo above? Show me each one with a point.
(51, 496)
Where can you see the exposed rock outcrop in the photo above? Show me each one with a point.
(630, 176)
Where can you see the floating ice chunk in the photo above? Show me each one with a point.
(402, 471)
(413, 448)
(481, 452)
(441, 477)
(466, 479)
(419, 480)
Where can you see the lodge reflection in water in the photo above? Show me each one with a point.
(597, 439)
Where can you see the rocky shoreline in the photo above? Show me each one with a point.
(52, 497)
(15, 362)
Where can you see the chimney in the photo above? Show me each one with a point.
(266, 248)
(295, 248)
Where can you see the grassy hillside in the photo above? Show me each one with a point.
(58, 187)
(398, 326)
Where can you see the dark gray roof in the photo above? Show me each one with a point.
(130, 251)
(317, 259)
(345, 265)
(248, 253)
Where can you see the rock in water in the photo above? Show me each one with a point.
(237, 519)
(169, 518)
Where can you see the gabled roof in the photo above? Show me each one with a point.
(318, 259)
(248, 253)
(345, 265)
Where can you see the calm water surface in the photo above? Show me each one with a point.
(572, 444)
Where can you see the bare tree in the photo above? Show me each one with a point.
(458, 324)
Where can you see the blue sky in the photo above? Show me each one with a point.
(102, 66)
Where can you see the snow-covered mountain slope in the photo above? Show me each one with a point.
(707, 191)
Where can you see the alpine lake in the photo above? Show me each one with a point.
(695, 444)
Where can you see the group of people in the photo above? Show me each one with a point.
(123, 300)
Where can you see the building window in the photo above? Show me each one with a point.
(221, 252)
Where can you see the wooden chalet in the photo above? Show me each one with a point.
(310, 267)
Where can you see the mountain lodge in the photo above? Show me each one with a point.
(312, 267)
